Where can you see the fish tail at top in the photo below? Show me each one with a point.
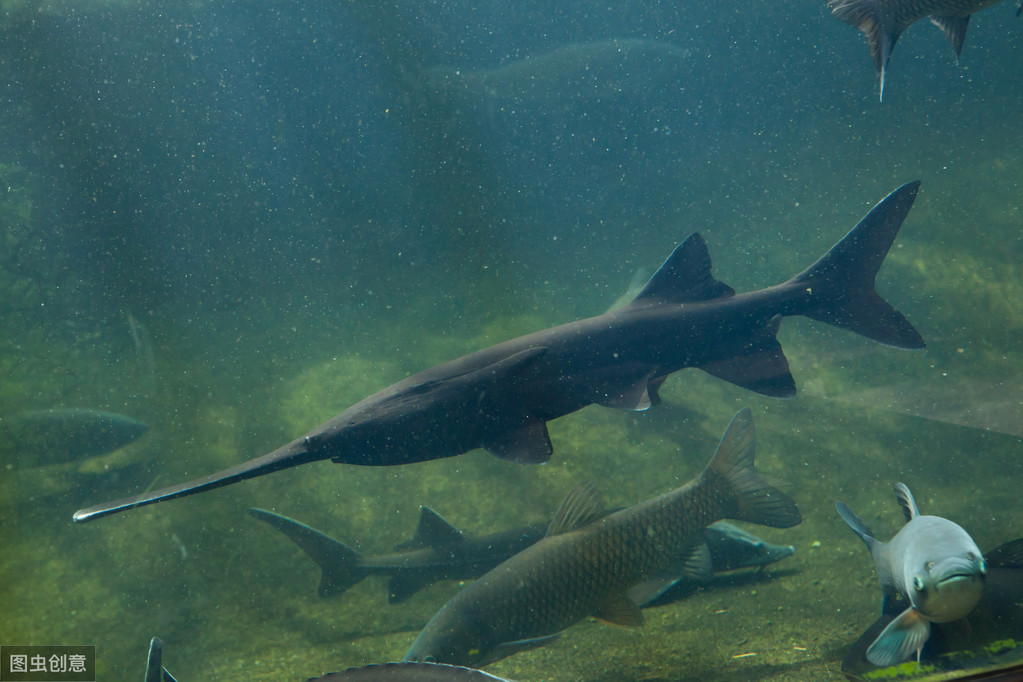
(756, 500)
(841, 282)
(880, 29)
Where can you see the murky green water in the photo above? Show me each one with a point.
(261, 329)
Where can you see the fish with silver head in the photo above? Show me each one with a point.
(932, 565)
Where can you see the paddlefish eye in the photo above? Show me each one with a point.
(918, 582)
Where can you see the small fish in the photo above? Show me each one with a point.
(42, 437)
(501, 398)
(883, 21)
(409, 671)
(594, 563)
(732, 548)
(439, 551)
(932, 565)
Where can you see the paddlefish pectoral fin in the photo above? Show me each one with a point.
(340, 565)
(528, 444)
(756, 500)
(762, 366)
(840, 284)
(897, 642)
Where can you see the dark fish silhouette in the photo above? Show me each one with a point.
(883, 21)
(931, 566)
(41, 437)
(410, 672)
(439, 551)
(596, 564)
(502, 397)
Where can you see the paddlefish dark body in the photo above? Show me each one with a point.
(603, 565)
(502, 397)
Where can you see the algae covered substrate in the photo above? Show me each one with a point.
(205, 229)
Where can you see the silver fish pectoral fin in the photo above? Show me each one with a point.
(897, 642)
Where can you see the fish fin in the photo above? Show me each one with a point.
(506, 649)
(903, 636)
(528, 444)
(636, 396)
(684, 278)
(1009, 555)
(906, 501)
(695, 566)
(762, 367)
(580, 507)
(617, 608)
(860, 528)
(880, 30)
(433, 531)
(340, 565)
(954, 29)
(756, 500)
(841, 282)
(167, 677)
(403, 585)
(154, 661)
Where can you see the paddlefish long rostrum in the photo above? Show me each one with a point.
(592, 563)
(502, 397)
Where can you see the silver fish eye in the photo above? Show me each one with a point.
(918, 583)
(982, 566)
(929, 566)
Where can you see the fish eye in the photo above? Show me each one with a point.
(929, 566)
(982, 566)
(918, 583)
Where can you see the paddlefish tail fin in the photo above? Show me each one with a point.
(340, 565)
(294, 453)
(841, 283)
(756, 500)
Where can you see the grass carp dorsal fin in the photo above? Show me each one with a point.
(684, 278)
(581, 507)
(906, 501)
(762, 368)
(954, 29)
(433, 531)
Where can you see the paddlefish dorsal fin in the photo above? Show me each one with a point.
(433, 531)
(906, 501)
(581, 507)
(684, 278)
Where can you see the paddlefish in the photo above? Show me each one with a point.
(932, 565)
(593, 563)
(502, 397)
